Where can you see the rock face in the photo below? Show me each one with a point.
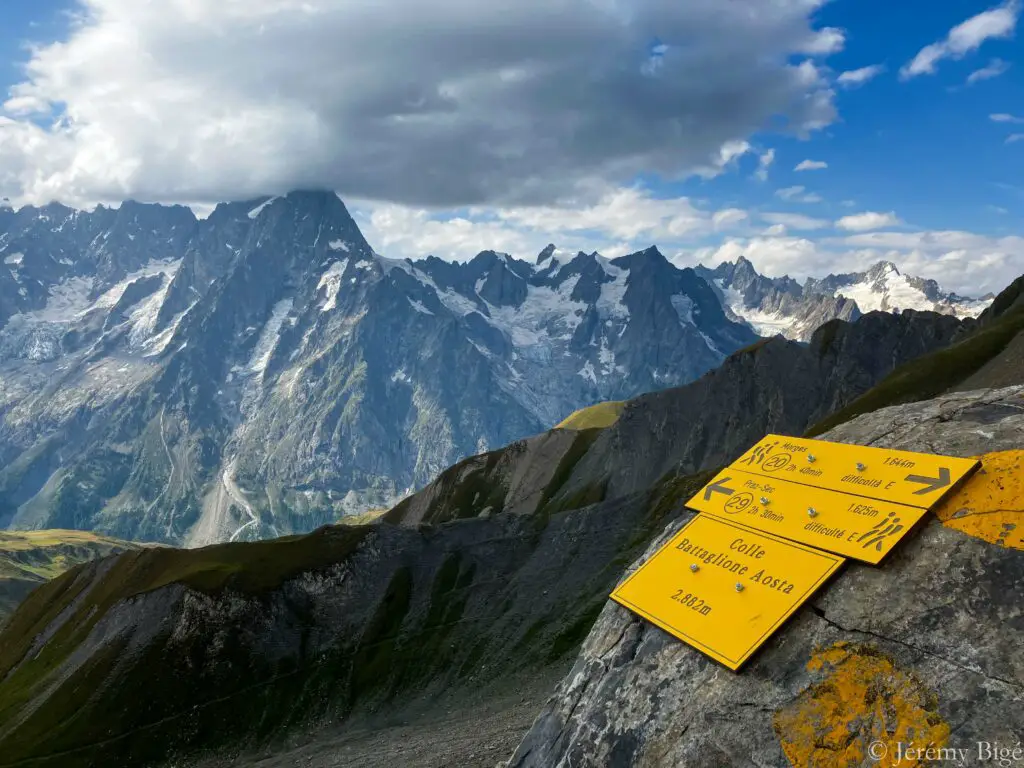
(779, 386)
(784, 306)
(264, 371)
(924, 649)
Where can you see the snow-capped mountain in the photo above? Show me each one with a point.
(783, 306)
(264, 370)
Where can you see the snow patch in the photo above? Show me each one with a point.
(764, 323)
(547, 314)
(418, 306)
(259, 208)
(339, 245)
(456, 302)
(269, 337)
(683, 305)
(587, 372)
(612, 301)
(14, 259)
(711, 344)
(157, 344)
(896, 294)
(331, 280)
(166, 267)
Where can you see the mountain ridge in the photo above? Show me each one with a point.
(783, 305)
(277, 371)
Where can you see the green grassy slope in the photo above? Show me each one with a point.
(31, 558)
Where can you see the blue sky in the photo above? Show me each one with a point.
(193, 101)
(925, 148)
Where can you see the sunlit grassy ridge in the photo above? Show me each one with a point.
(43, 555)
(31, 558)
(600, 415)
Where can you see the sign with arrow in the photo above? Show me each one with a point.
(719, 486)
(902, 477)
(854, 526)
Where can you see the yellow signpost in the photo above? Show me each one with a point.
(914, 479)
(724, 588)
(854, 526)
(732, 575)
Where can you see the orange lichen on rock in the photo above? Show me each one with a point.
(862, 707)
(990, 504)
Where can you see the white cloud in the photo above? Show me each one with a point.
(798, 194)
(401, 231)
(1002, 117)
(995, 68)
(795, 221)
(854, 77)
(727, 218)
(620, 221)
(1013, 138)
(861, 222)
(764, 163)
(725, 158)
(623, 214)
(438, 104)
(997, 22)
(630, 219)
(811, 165)
(824, 42)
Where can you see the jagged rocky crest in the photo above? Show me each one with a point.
(264, 371)
(784, 306)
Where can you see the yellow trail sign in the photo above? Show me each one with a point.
(724, 588)
(854, 526)
(903, 477)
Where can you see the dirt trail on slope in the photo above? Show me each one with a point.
(465, 729)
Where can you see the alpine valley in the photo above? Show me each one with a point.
(263, 371)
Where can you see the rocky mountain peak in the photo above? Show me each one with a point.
(881, 270)
(546, 254)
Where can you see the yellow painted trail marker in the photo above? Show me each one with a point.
(864, 529)
(902, 477)
(724, 588)
(990, 506)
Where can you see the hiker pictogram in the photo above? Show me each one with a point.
(888, 526)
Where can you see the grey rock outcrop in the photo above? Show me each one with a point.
(923, 649)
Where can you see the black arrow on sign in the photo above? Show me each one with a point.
(931, 483)
(718, 487)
